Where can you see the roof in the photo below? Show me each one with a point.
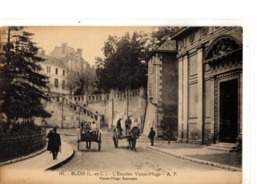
(55, 61)
(168, 46)
(57, 52)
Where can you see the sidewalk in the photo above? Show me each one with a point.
(200, 154)
(41, 160)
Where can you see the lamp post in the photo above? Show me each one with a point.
(79, 124)
(79, 116)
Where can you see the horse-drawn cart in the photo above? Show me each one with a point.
(131, 137)
(88, 135)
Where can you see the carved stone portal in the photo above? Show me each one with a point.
(222, 47)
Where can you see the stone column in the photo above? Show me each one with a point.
(185, 97)
(212, 109)
(200, 92)
(180, 99)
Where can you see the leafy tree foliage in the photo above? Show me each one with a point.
(21, 83)
(81, 79)
(122, 67)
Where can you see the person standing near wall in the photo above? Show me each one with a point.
(169, 134)
(151, 136)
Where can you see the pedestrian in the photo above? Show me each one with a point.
(55, 143)
(151, 136)
(119, 127)
(128, 123)
(169, 134)
(48, 137)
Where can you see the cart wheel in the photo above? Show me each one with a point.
(115, 138)
(99, 142)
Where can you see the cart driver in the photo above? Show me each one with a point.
(86, 127)
(93, 127)
(128, 123)
(119, 127)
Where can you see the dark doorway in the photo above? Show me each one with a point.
(228, 111)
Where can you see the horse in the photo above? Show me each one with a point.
(134, 134)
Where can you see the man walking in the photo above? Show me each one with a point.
(55, 143)
(151, 136)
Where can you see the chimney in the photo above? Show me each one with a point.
(63, 46)
(79, 51)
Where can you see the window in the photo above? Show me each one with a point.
(56, 71)
(56, 83)
(63, 73)
(63, 84)
(48, 69)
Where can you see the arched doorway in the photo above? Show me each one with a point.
(228, 110)
(223, 59)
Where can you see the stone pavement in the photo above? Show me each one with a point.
(41, 160)
(200, 154)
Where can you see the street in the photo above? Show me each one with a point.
(121, 164)
(144, 165)
(121, 158)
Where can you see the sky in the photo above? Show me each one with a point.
(90, 38)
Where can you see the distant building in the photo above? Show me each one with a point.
(72, 58)
(59, 67)
(57, 71)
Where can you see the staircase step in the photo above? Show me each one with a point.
(224, 147)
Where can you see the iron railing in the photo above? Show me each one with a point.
(17, 144)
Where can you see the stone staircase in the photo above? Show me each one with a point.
(224, 147)
(71, 112)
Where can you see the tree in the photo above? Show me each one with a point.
(81, 79)
(22, 86)
(121, 67)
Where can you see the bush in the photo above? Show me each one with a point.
(24, 127)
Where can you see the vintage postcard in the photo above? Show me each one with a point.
(121, 104)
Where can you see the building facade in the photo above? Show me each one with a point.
(162, 90)
(59, 67)
(56, 71)
(74, 62)
(202, 76)
(210, 84)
